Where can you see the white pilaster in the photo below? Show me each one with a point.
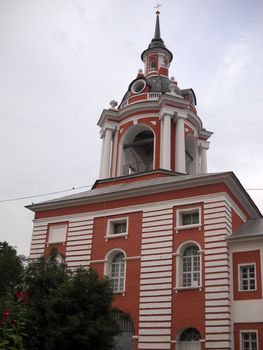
(106, 152)
(180, 143)
(166, 142)
(203, 147)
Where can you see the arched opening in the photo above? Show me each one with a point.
(123, 341)
(189, 340)
(191, 155)
(137, 150)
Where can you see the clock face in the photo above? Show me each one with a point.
(138, 86)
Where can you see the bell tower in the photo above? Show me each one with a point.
(156, 125)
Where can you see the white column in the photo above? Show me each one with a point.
(180, 144)
(106, 153)
(166, 142)
(203, 147)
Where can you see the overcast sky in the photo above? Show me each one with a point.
(62, 61)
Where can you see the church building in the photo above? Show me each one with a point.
(183, 248)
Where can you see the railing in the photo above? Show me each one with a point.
(138, 167)
(151, 96)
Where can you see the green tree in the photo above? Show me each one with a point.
(11, 269)
(79, 314)
(67, 310)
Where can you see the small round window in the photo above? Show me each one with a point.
(138, 86)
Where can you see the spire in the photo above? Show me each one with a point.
(157, 42)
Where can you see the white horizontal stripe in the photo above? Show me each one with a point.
(223, 316)
(78, 258)
(154, 338)
(156, 251)
(217, 251)
(76, 243)
(215, 245)
(216, 257)
(147, 213)
(41, 236)
(155, 305)
(217, 309)
(218, 344)
(78, 238)
(167, 261)
(215, 238)
(217, 289)
(217, 337)
(79, 247)
(159, 286)
(80, 233)
(159, 228)
(155, 325)
(156, 280)
(215, 282)
(35, 256)
(217, 302)
(157, 239)
(154, 331)
(156, 292)
(214, 204)
(216, 269)
(157, 245)
(216, 214)
(78, 252)
(157, 274)
(150, 318)
(224, 232)
(35, 250)
(217, 323)
(156, 312)
(216, 263)
(216, 226)
(218, 329)
(156, 257)
(153, 346)
(77, 263)
(157, 223)
(218, 275)
(157, 217)
(157, 234)
(156, 268)
(219, 295)
(155, 299)
(38, 246)
(35, 241)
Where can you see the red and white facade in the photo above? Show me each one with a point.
(182, 247)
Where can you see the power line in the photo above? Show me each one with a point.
(43, 194)
(73, 189)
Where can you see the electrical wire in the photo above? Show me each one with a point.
(43, 194)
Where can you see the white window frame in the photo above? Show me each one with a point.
(179, 266)
(244, 331)
(56, 226)
(179, 218)
(110, 228)
(108, 267)
(240, 266)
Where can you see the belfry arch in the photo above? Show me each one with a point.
(137, 150)
(191, 155)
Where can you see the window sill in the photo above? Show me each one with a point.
(117, 235)
(120, 293)
(178, 289)
(188, 227)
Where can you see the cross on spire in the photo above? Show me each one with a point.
(157, 7)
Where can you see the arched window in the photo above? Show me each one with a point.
(115, 270)
(189, 339)
(191, 267)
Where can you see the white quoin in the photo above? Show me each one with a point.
(166, 142)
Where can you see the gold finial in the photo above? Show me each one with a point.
(157, 7)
